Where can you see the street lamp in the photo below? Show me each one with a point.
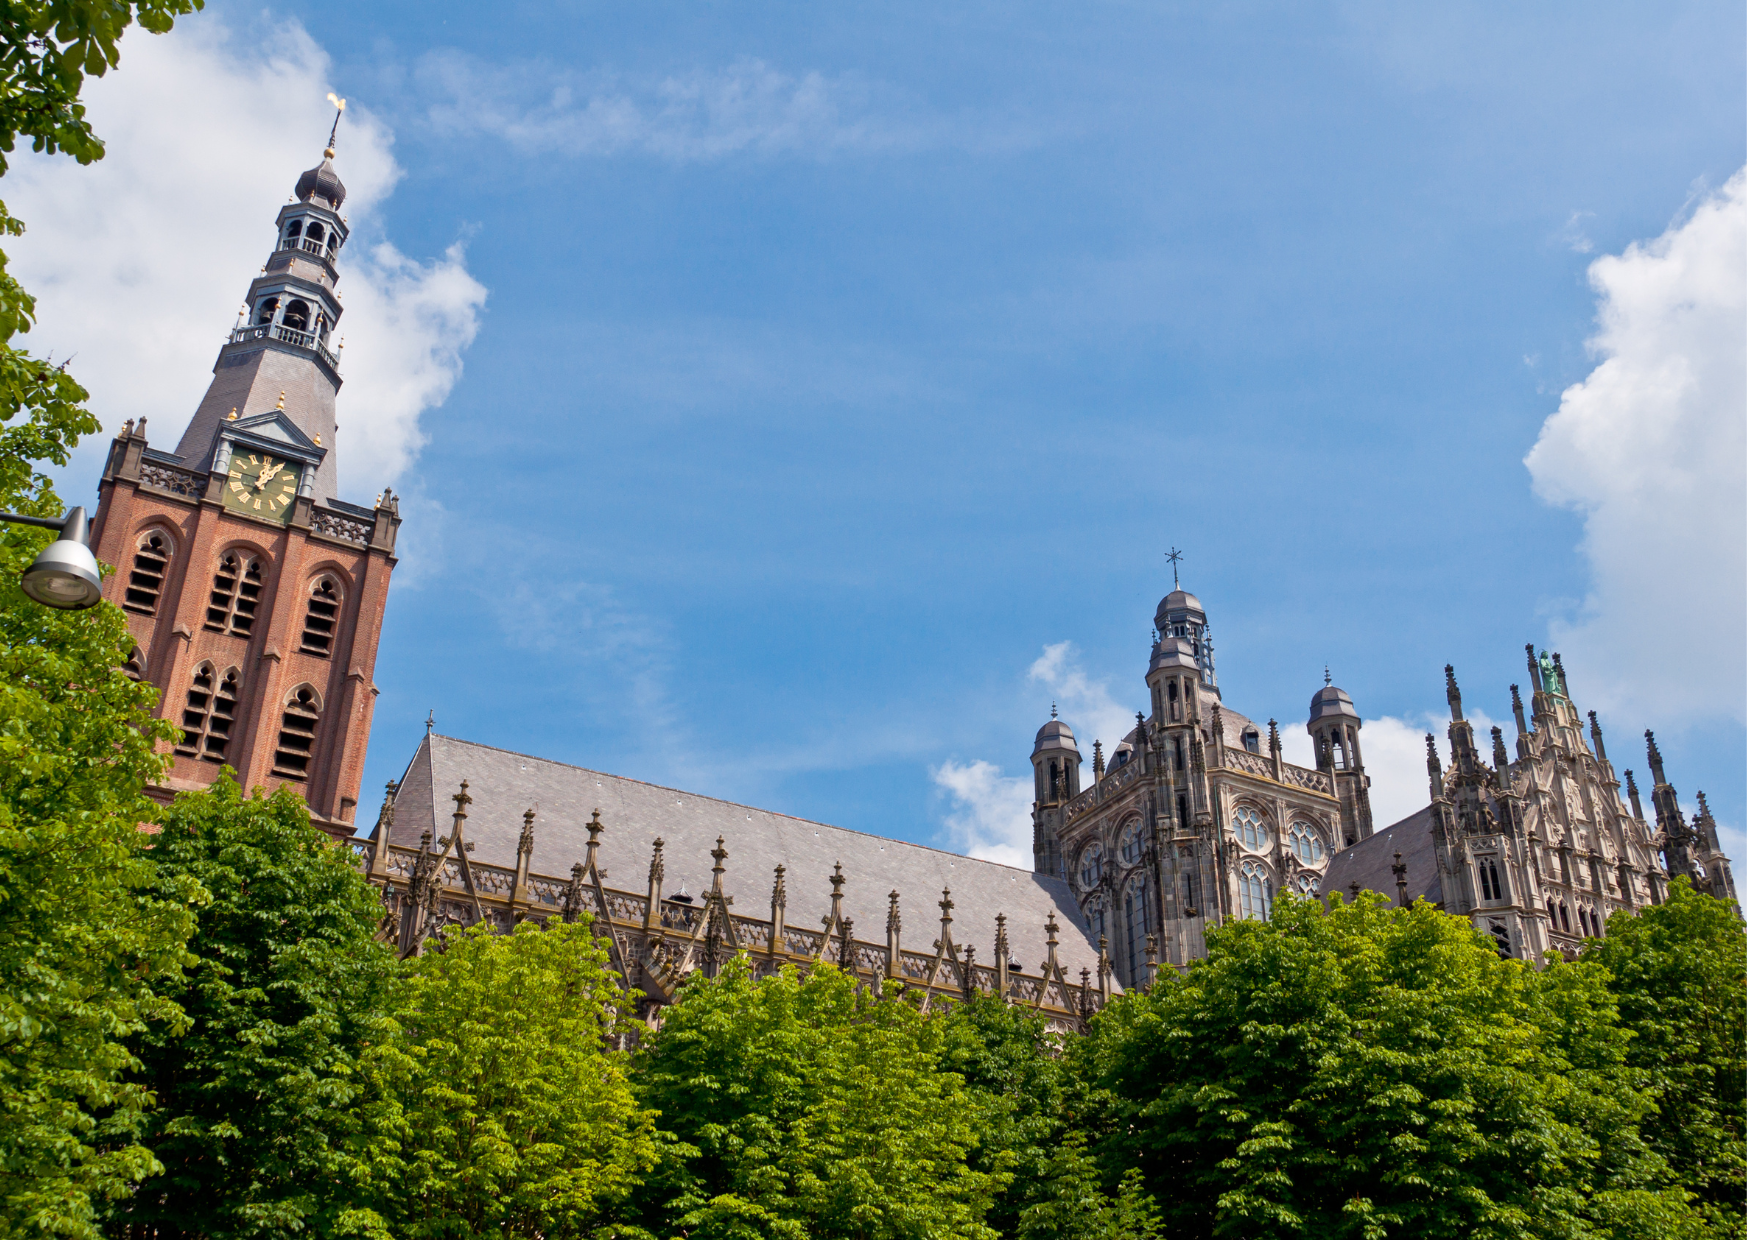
(65, 576)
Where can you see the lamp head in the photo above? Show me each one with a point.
(65, 576)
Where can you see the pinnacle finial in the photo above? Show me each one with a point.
(281, 403)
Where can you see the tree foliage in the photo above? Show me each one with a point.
(84, 929)
(1676, 971)
(1366, 1071)
(48, 48)
(498, 1108)
(807, 1107)
(286, 985)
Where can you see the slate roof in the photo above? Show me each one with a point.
(503, 784)
(1369, 862)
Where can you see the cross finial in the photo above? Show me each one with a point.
(1174, 555)
(430, 721)
(1053, 710)
(339, 111)
(1326, 680)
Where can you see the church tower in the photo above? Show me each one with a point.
(255, 596)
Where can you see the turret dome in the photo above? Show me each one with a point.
(1332, 701)
(1056, 735)
(322, 182)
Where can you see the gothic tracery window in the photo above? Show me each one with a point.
(210, 709)
(236, 592)
(145, 582)
(322, 615)
(1253, 894)
(1306, 883)
(297, 733)
(1092, 866)
(1130, 846)
(1137, 925)
(1306, 843)
(1250, 827)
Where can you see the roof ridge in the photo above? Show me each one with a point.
(704, 796)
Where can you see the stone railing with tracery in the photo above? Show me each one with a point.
(653, 958)
(335, 525)
(183, 482)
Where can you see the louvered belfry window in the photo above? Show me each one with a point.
(297, 734)
(236, 593)
(145, 582)
(210, 711)
(322, 617)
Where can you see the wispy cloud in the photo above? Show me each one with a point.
(747, 107)
(1086, 704)
(1650, 448)
(140, 261)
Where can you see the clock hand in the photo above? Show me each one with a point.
(267, 475)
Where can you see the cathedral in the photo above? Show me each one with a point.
(255, 598)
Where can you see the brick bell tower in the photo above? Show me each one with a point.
(255, 596)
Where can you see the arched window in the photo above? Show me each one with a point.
(293, 229)
(1306, 843)
(146, 580)
(1092, 865)
(210, 710)
(1250, 827)
(321, 617)
(297, 315)
(314, 232)
(1252, 740)
(1565, 921)
(236, 592)
(1137, 925)
(1596, 923)
(1095, 917)
(135, 667)
(1130, 846)
(1190, 893)
(297, 733)
(265, 314)
(1306, 883)
(1253, 892)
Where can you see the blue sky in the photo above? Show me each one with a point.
(832, 365)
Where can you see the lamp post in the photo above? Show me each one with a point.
(65, 576)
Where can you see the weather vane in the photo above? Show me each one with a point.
(339, 111)
(1174, 555)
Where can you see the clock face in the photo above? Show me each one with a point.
(261, 485)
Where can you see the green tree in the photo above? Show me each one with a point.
(1366, 1071)
(804, 1106)
(286, 986)
(498, 1108)
(1677, 973)
(48, 48)
(84, 929)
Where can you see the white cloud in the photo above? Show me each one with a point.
(1650, 447)
(747, 107)
(139, 262)
(1085, 704)
(991, 816)
(992, 813)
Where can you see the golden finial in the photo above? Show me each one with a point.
(339, 111)
(233, 414)
(281, 403)
(318, 441)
